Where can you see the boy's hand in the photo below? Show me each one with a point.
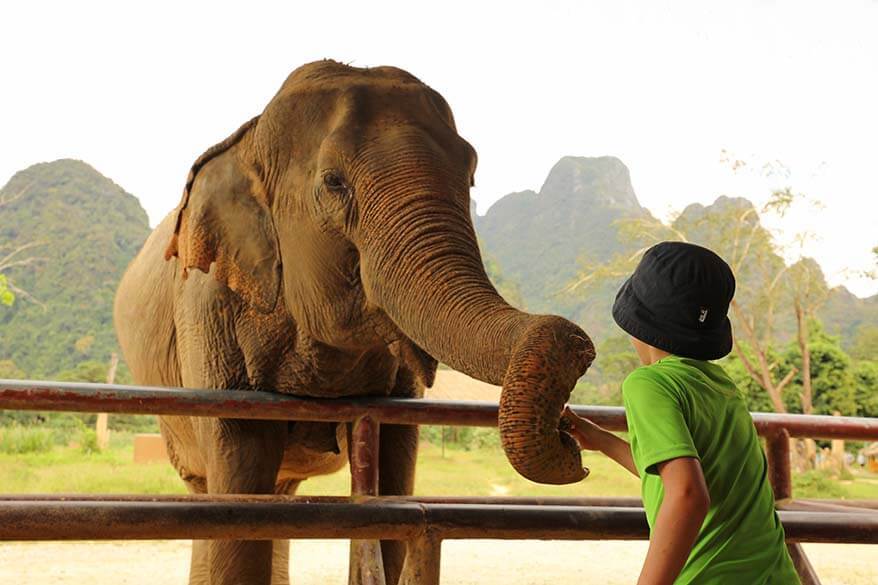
(586, 433)
(594, 438)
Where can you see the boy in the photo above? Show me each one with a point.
(693, 444)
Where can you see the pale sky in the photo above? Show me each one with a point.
(140, 89)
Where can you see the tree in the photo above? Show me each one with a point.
(809, 292)
(831, 374)
(754, 394)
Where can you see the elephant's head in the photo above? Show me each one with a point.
(348, 197)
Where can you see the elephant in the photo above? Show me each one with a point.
(336, 257)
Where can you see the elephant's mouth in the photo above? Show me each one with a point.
(406, 351)
(418, 361)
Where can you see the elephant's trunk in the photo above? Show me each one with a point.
(420, 262)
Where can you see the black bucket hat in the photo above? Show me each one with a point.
(677, 300)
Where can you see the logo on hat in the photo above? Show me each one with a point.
(702, 316)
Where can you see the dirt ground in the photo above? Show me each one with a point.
(323, 562)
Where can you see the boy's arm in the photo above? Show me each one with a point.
(594, 438)
(685, 504)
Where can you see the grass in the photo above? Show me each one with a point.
(67, 469)
(486, 472)
(17, 440)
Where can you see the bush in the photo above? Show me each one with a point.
(88, 442)
(18, 440)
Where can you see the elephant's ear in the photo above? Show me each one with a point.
(223, 219)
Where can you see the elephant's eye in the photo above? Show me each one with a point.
(333, 181)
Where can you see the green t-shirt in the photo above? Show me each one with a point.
(680, 407)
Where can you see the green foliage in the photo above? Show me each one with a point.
(836, 383)
(832, 380)
(9, 371)
(68, 424)
(93, 371)
(755, 397)
(91, 229)
(88, 442)
(18, 440)
(865, 380)
(6, 296)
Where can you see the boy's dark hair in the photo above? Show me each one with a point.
(677, 300)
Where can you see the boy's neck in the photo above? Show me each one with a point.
(647, 353)
(655, 354)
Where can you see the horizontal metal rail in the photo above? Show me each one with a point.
(801, 505)
(80, 397)
(261, 518)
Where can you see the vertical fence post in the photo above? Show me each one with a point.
(777, 447)
(803, 566)
(366, 566)
(422, 561)
(101, 425)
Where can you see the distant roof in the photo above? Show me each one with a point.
(871, 449)
(451, 385)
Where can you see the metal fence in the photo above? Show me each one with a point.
(365, 517)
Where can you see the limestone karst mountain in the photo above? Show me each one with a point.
(540, 239)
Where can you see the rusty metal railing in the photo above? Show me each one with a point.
(365, 517)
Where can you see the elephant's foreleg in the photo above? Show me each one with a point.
(397, 458)
(242, 457)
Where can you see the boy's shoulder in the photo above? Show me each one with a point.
(649, 377)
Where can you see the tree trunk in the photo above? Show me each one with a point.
(804, 348)
(101, 430)
(805, 453)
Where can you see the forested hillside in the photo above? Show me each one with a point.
(84, 230)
